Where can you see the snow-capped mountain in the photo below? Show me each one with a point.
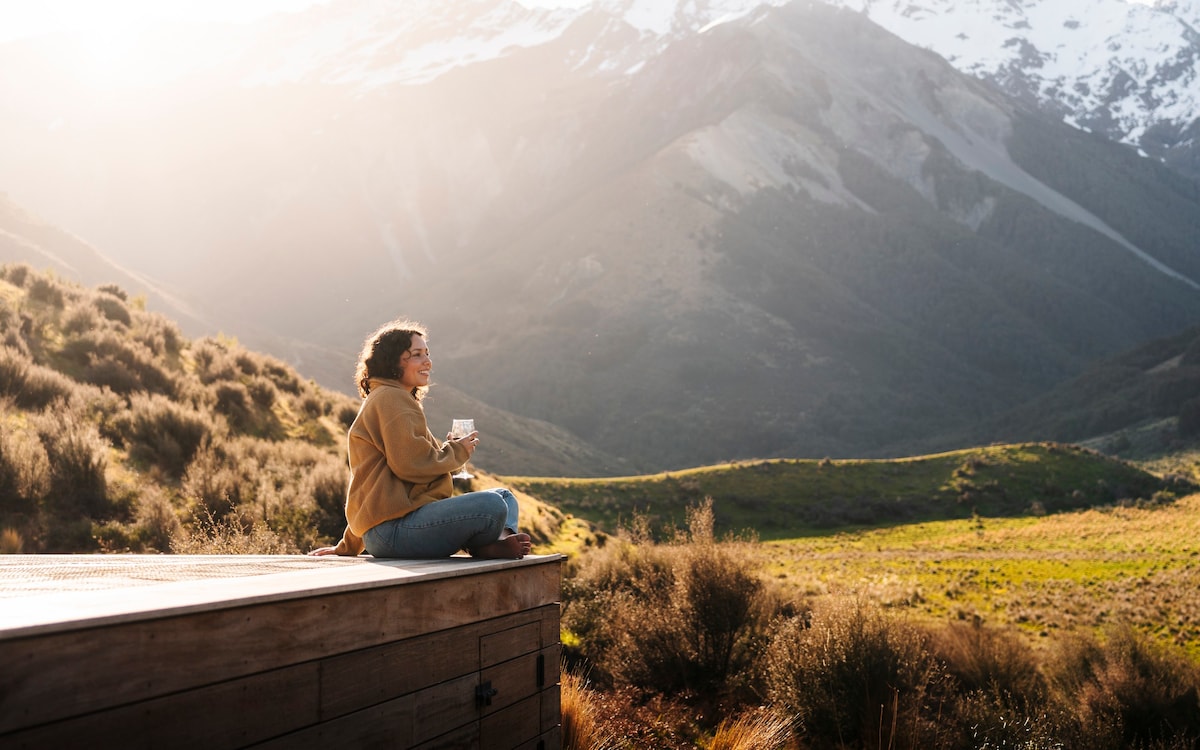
(372, 44)
(1129, 70)
(682, 231)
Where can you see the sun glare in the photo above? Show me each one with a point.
(120, 44)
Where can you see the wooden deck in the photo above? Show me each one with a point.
(278, 652)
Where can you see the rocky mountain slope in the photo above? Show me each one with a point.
(1129, 70)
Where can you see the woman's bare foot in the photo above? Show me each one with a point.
(510, 547)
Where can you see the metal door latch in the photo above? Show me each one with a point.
(484, 693)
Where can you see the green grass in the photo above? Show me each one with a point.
(1082, 569)
(1046, 538)
(787, 498)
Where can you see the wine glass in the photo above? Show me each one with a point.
(462, 428)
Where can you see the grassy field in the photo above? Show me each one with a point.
(1043, 537)
(1083, 569)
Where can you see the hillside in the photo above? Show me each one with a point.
(118, 433)
(793, 498)
(793, 234)
(1143, 404)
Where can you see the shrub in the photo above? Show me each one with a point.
(113, 308)
(108, 358)
(262, 392)
(233, 400)
(44, 289)
(855, 678)
(16, 273)
(247, 363)
(346, 414)
(1128, 689)
(24, 471)
(77, 457)
(80, 319)
(156, 520)
(995, 661)
(11, 542)
(313, 405)
(986, 721)
(158, 334)
(161, 433)
(284, 377)
(755, 730)
(31, 386)
(686, 615)
(212, 482)
(113, 290)
(229, 535)
(582, 727)
(213, 361)
(14, 368)
(326, 485)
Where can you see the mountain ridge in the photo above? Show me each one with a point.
(791, 235)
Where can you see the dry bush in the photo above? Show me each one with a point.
(1127, 691)
(113, 308)
(162, 433)
(105, 357)
(248, 363)
(46, 290)
(24, 471)
(753, 730)
(295, 489)
(347, 412)
(213, 482)
(31, 386)
(15, 329)
(213, 361)
(80, 319)
(688, 615)
(156, 520)
(17, 273)
(233, 534)
(283, 376)
(233, 400)
(11, 542)
(158, 333)
(314, 405)
(326, 484)
(14, 367)
(77, 456)
(262, 392)
(986, 721)
(996, 661)
(583, 728)
(855, 677)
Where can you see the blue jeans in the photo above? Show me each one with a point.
(444, 527)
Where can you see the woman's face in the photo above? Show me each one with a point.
(415, 364)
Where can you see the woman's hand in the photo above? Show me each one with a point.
(469, 441)
(322, 551)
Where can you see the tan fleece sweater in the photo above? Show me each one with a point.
(396, 464)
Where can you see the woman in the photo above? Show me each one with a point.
(399, 502)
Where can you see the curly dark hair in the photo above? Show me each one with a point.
(381, 354)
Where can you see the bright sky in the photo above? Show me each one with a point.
(19, 18)
(121, 18)
(108, 40)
